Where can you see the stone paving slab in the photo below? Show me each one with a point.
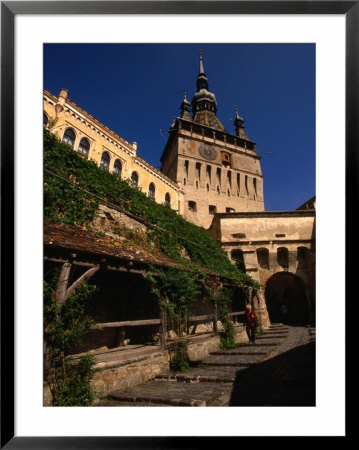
(279, 332)
(272, 336)
(262, 344)
(231, 360)
(174, 394)
(252, 350)
(214, 374)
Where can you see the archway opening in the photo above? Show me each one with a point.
(286, 299)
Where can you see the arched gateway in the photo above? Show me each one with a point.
(286, 299)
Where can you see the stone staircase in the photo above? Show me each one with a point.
(210, 381)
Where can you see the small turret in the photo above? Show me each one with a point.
(238, 122)
(186, 108)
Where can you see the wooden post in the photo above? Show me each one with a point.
(217, 286)
(121, 337)
(194, 329)
(62, 283)
(163, 327)
(215, 318)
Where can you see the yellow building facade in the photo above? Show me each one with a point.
(96, 142)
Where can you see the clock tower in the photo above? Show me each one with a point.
(219, 172)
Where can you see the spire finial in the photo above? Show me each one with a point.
(201, 70)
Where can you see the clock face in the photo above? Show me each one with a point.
(207, 152)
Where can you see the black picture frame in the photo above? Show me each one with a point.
(9, 10)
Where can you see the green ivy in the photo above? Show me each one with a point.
(171, 233)
(180, 360)
(227, 337)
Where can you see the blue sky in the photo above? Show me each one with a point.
(137, 89)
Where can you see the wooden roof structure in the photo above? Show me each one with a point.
(64, 242)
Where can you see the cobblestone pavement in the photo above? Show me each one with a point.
(278, 370)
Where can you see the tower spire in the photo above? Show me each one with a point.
(204, 103)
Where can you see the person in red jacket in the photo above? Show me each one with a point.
(251, 322)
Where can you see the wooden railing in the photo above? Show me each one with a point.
(162, 323)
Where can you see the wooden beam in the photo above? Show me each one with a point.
(128, 323)
(237, 313)
(82, 279)
(123, 268)
(207, 318)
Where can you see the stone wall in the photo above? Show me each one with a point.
(127, 373)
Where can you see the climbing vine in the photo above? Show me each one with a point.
(176, 290)
(64, 326)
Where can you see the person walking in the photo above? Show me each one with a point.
(251, 323)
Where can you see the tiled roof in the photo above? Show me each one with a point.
(71, 238)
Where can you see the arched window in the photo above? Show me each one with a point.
(263, 257)
(84, 147)
(69, 137)
(303, 258)
(134, 179)
(238, 258)
(105, 161)
(246, 183)
(167, 199)
(282, 257)
(117, 168)
(45, 119)
(152, 191)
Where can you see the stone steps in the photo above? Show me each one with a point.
(210, 382)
